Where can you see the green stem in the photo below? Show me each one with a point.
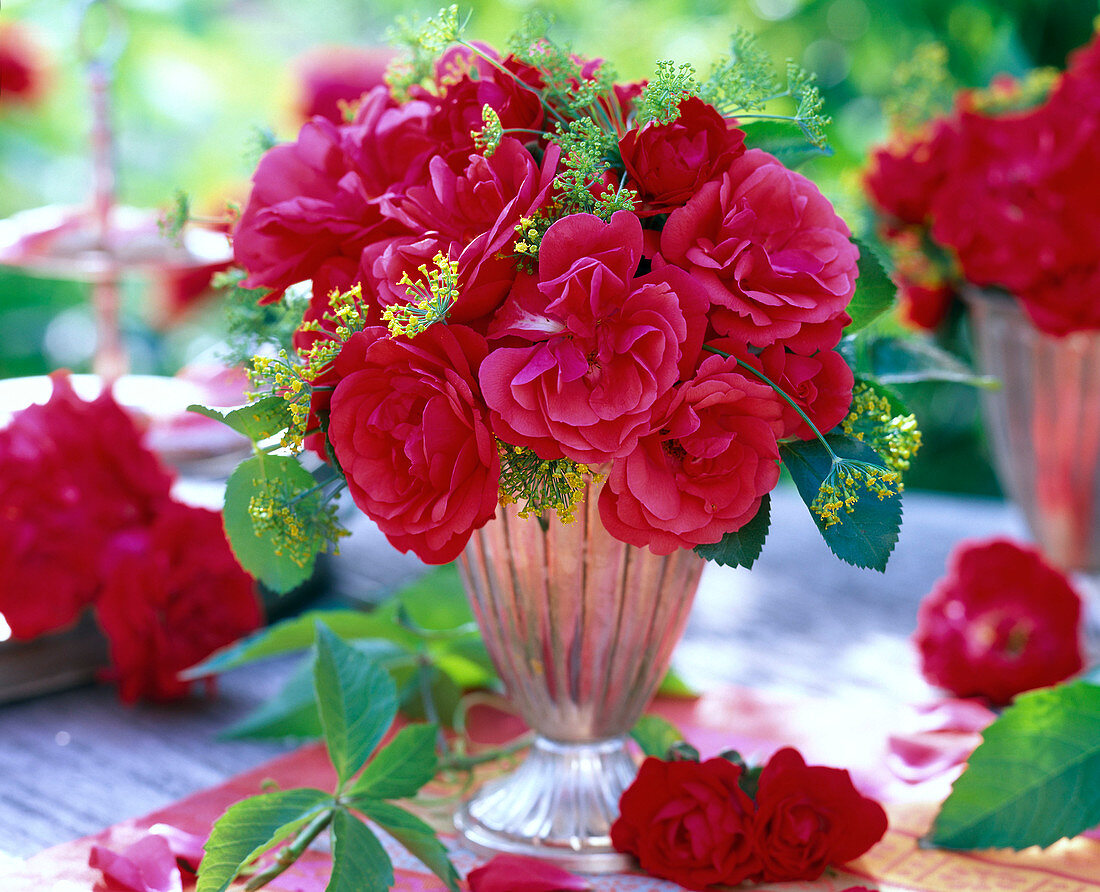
(292, 852)
(801, 414)
(467, 763)
(513, 75)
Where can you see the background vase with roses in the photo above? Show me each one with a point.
(565, 330)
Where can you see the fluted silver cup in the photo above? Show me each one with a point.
(1044, 425)
(581, 628)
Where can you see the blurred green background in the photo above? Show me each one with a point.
(199, 81)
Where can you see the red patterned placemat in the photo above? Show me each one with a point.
(845, 733)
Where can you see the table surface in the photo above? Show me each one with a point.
(799, 622)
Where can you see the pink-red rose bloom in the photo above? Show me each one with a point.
(703, 469)
(332, 78)
(689, 822)
(605, 345)
(667, 163)
(811, 817)
(775, 259)
(72, 473)
(408, 427)
(173, 593)
(1002, 621)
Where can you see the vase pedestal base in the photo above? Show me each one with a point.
(557, 806)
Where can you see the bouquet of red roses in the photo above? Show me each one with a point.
(523, 272)
(998, 192)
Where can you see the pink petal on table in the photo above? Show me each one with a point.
(516, 873)
(187, 847)
(915, 758)
(953, 715)
(147, 866)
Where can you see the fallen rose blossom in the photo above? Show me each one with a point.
(149, 865)
(516, 873)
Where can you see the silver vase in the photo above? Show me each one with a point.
(581, 628)
(1044, 425)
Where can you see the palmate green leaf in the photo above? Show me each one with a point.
(875, 292)
(784, 139)
(445, 694)
(866, 536)
(359, 863)
(655, 735)
(1035, 778)
(742, 547)
(414, 835)
(258, 421)
(357, 701)
(251, 827)
(299, 633)
(402, 767)
(257, 554)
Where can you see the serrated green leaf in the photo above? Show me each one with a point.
(257, 553)
(785, 140)
(875, 292)
(258, 421)
(742, 547)
(402, 767)
(359, 863)
(299, 633)
(414, 835)
(655, 735)
(290, 713)
(1035, 778)
(866, 536)
(357, 701)
(250, 828)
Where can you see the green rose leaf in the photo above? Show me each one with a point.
(914, 360)
(357, 701)
(402, 767)
(785, 140)
(299, 633)
(257, 421)
(875, 292)
(866, 536)
(414, 835)
(1034, 780)
(250, 828)
(256, 553)
(359, 863)
(655, 735)
(290, 713)
(742, 547)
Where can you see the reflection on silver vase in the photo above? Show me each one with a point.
(581, 628)
(1044, 425)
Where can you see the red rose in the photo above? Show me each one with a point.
(820, 384)
(605, 345)
(72, 473)
(469, 216)
(172, 594)
(689, 822)
(811, 817)
(925, 306)
(1002, 621)
(772, 254)
(22, 66)
(903, 179)
(408, 427)
(668, 163)
(701, 473)
(330, 75)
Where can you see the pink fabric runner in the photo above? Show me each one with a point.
(847, 733)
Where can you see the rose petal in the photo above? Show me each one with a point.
(149, 865)
(186, 846)
(953, 715)
(516, 873)
(914, 758)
